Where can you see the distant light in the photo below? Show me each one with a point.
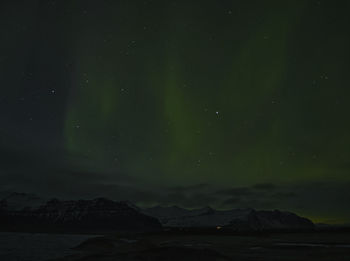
(218, 227)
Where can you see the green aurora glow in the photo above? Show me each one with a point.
(179, 93)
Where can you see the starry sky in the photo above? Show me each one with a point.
(226, 103)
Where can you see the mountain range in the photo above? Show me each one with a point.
(84, 216)
(20, 212)
(234, 219)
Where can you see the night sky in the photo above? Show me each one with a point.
(221, 103)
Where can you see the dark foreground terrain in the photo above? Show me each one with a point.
(216, 246)
(159, 233)
(37, 246)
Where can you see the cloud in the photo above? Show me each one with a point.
(238, 192)
(287, 194)
(195, 187)
(231, 201)
(264, 186)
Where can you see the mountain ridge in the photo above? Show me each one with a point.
(235, 219)
(106, 214)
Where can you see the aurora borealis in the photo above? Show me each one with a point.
(222, 103)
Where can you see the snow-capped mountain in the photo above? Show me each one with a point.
(18, 201)
(83, 215)
(20, 211)
(236, 219)
(165, 214)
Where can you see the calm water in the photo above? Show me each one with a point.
(37, 247)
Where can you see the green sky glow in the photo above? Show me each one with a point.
(182, 93)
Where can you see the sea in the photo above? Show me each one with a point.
(37, 246)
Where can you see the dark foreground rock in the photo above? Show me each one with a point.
(153, 254)
(177, 253)
(304, 246)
